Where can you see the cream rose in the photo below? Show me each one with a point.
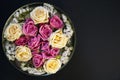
(58, 39)
(52, 65)
(23, 54)
(39, 15)
(13, 32)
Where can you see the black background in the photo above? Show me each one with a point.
(97, 54)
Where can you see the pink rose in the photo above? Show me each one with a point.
(29, 29)
(56, 22)
(38, 60)
(46, 54)
(47, 51)
(21, 41)
(34, 43)
(54, 51)
(45, 31)
(51, 54)
(35, 52)
(45, 46)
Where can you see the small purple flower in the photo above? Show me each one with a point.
(56, 22)
(29, 29)
(38, 60)
(45, 31)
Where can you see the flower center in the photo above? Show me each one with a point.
(53, 65)
(39, 13)
(23, 55)
(57, 39)
(13, 29)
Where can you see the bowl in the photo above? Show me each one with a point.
(38, 39)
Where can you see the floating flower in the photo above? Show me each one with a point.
(13, 32)
(21, 41)
(52, 65)
(29, 29)
(39, 15)
(56, 22)
(58, 39)
(37, 60)
(23, 53)
(45, 31)
(34, 43)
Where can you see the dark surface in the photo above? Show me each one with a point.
(97, 54)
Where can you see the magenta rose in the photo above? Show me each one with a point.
(54, 51)
(38, 60)
(35, 52)
(29, 29)
(45, 46)
(21, 41)
(34, 43)
(56, 22)
(46, 54)
(51, 54)
(45, 31)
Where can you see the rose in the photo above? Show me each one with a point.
(13, 32)
(35, 52)
(45, 46)
(34, 43)
(51, 53)
(46, 54)
(37, 60)
(29, 29)
(58, 39)
(23, 54)
(21, 41)
(45, 31)
(47, 51)
(39, 15)
(52, 65)
(54, 51)
(56, 22)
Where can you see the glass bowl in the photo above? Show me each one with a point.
(19, 16)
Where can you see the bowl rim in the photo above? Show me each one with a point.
(74, 37)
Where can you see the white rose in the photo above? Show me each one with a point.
(52, 65)
(39, 15)
(58, 39)
(13, 32)
(23, 53)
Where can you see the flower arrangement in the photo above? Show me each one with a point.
(40, 42)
